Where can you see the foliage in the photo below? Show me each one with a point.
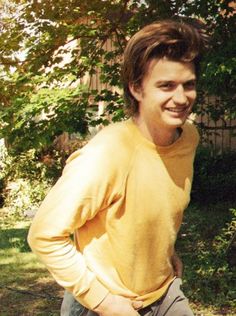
(214, 177)
(49, 112)
(25, 180)
(47, 47)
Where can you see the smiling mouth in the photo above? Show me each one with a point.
(177, 110)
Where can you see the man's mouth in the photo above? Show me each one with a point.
(177, 110)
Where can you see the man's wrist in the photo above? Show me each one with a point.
(102, 301)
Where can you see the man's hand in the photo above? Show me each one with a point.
(115, 305)
(177, 265)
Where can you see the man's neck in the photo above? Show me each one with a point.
(158, 135)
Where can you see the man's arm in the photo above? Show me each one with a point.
(76, 198)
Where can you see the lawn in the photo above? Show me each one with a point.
(27, 289)
(209, 279)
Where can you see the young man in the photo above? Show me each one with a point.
(124, 193)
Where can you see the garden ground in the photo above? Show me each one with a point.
(27, 289)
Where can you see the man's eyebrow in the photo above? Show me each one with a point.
(164, 81)
(174, 81)
(191, 79)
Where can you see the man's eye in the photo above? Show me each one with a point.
(190, 85)
(167, 86)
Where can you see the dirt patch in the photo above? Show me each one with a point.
(42, 298)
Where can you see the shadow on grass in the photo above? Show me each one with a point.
(14, 238)
(26, 287)
(39, 298)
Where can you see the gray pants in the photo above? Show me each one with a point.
(173, 303)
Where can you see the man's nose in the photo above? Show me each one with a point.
(179, 96)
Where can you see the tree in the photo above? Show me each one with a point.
(42, 95)
(219, 66)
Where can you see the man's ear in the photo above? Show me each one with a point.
(136, 91)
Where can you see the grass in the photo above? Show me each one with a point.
(27, 289)
(209, 280)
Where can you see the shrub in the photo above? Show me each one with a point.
(24, 181)
(215, 177)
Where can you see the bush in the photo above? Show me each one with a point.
(24, 181)
(215, 177)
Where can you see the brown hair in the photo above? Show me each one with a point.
(175, 40)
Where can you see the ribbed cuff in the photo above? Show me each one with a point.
(94, 296)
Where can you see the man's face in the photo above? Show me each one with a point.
(167, 93)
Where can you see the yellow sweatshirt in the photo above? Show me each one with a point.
(123, 198)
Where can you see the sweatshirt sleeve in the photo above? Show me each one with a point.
(82, 191)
